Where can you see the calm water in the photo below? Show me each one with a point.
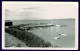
(50, 33)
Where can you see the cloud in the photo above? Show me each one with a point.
(55, 11)
(7, 10)
(31, 8)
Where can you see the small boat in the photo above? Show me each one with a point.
(40, 28)
(55, 38)
(62, 34)
(49, 24)
(58, 25)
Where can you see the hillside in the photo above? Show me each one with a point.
(11, 41)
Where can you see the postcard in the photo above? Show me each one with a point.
(28, 25)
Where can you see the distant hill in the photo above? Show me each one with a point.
(45, 19)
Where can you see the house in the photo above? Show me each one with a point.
(8, 23)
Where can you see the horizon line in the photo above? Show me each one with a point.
(43, 19)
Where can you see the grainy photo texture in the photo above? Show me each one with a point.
(40, 25)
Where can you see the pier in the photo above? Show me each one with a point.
(31, 26)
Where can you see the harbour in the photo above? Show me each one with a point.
(51, 32)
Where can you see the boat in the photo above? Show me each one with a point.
(58, 25)
(57, 37)
(62, 34)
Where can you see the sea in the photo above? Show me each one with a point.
(61, 35)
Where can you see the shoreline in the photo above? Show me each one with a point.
(30, 39)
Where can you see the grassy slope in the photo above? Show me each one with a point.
(29, 38)
(10, 40)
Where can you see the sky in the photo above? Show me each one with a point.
(40, 10)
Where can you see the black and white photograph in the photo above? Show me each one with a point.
(40, 25)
